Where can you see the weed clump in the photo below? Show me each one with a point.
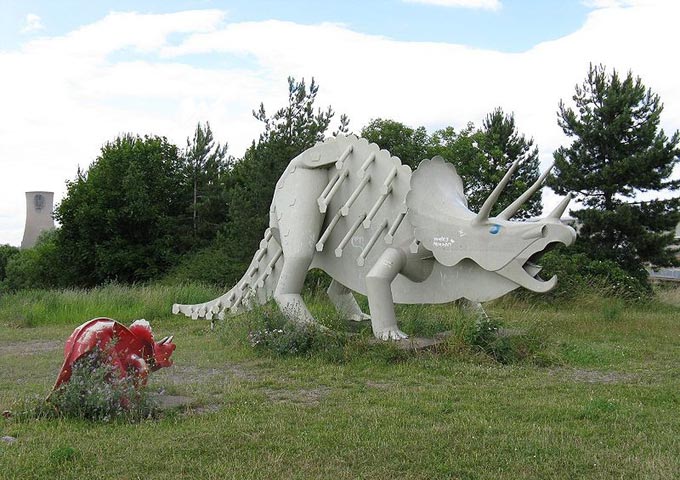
(503, 345)
(96, 392)
(273, 333)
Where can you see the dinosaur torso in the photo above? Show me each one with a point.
(359, 233)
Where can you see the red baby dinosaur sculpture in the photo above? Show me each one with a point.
(131, 350)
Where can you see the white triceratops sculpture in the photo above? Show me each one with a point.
(353, 210)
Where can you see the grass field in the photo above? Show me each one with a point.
(596, 395)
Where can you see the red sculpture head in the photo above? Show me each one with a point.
(162, 351)
(160, 355)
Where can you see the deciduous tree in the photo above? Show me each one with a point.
(119, 219)
(481, 155)
(411, 145)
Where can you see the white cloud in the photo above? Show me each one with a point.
(482, 4)
(32, 23)
(64, 97)
(625, 3)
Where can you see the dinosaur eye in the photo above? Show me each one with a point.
(495, 229)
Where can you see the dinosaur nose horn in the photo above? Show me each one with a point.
(484, 212)
(559, 210)
(517, 204)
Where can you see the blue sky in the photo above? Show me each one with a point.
(77, 73)
(516, 26)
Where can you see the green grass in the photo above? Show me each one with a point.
(603, 405)
(31, 308)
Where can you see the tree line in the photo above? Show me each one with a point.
(148, 210)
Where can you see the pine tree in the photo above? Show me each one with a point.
(288, 132)
(619, 152)
(205, 166)
(483, 156)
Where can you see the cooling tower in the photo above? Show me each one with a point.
(38, 216)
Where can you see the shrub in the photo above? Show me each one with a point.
(487, 335)
(276, 334)
(96, 392)
(578, 274)
(212, 265)
(37, 267)
(6, 253)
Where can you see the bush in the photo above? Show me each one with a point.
(488, 336)
(37, 267)
(212, 265)
(275, 334)
(468, 336)
(578, 275)
(6, 253)
(96, 392)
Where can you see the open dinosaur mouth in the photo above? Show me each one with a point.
(525, 269)
(532, 266)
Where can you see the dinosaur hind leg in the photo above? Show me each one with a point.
(345, 303)
(299, 225)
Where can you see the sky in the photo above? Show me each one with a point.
(76, 74)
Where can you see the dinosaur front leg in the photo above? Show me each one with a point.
(140, 369)
(344, 302)
(379, 288)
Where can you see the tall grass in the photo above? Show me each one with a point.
(31, 308)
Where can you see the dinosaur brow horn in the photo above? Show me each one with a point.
(484, 212)
(511, 209)
(559, 210)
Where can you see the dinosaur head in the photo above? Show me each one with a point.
(162, 351)
(444, 225)
(159, 351)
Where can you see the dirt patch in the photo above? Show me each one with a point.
(308, 397)
(33, 347)
(187, 405)
(171, 402)
(596, 376)
(186, 374)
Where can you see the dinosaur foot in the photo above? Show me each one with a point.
(359, 317)
(390, 334)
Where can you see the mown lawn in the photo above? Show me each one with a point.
(598, 398)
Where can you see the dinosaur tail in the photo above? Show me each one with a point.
(255, 287)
